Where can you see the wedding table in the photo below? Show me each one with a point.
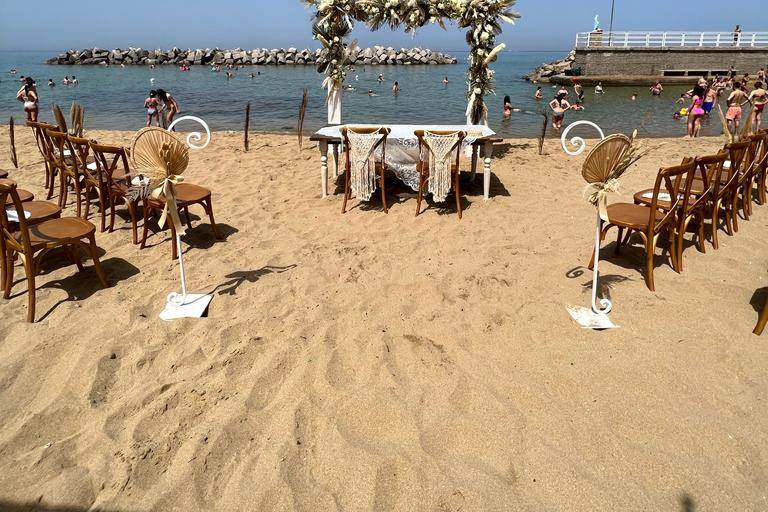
(403, 150)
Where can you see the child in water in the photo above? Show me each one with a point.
(151, 104)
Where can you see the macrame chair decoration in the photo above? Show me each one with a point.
(77, 118)
(361, 146)
(442, 152)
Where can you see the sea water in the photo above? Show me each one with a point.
(114, 97)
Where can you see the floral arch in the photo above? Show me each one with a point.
(334, 20)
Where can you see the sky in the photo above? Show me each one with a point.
(546, 25)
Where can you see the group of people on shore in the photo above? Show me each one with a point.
(704, 96)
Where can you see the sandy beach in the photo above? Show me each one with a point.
(385, 362)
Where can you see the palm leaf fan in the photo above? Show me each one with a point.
(60, 118)
(605, 157)
(157, 154)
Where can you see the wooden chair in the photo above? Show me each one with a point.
(33, 242)
(112, 166)
(437, 148)
(762, 173)
(35, 213)
(65, 160)
(92, 182)
(44, 144)
(739, 154)
(361, 169)
(652, 221)
(757, 160)
(762, 321)
(187, 195)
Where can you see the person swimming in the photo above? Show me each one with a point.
(599, 88)
(51, 83)
(396, 88)
(507, 107)
(446, 81)
(657, 89)
(538, 95)
(74, 80)
(371, 93)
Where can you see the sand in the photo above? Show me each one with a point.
(386, 362)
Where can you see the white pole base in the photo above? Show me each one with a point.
(192, 305)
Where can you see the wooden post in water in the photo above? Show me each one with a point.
(302, 114)
(12, 135)
(543, 134)
(247, 124)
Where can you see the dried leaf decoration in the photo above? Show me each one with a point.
(150, 159)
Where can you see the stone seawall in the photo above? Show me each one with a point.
(377, 55)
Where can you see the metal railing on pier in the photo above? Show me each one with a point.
(597, 39)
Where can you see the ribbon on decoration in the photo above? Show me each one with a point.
(167, 193)
(597, 195)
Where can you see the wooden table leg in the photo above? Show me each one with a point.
(336, 160)
(324, 167)
(487, 170)
(475, 151)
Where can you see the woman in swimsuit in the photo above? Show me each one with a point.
(28, 96)
(539, 95)
(735, 101)
(696, 112)
(151, 104)
(559, 106)
(657, 89)
(759, 98)
(507, 107)
(171, 106)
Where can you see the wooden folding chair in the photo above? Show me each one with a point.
(360, 147)
(33, 242)
(652, 221)
(439, 145)
(112, 166)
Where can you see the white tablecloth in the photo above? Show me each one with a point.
(403, 146)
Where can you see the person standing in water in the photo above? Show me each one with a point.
(710, 98)
(539, 95)
(396, 88)
(657, 89)
(579, 90)
(735, 101)
(759, 98)
(507, 107)
(28, 96)
(599, 88)
(559, 106)
(696, 112)
(445, 81)
(171, 107)
(152, 105)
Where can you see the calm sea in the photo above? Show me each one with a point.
(114, 97)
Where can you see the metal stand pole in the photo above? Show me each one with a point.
(604, 303)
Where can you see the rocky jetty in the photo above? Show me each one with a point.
(545, 71)
(239, 57)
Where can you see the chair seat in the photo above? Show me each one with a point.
(186, 194)
(629, 215)
(52, 232)
(25, 195)
(40, 211)
(3, 174)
